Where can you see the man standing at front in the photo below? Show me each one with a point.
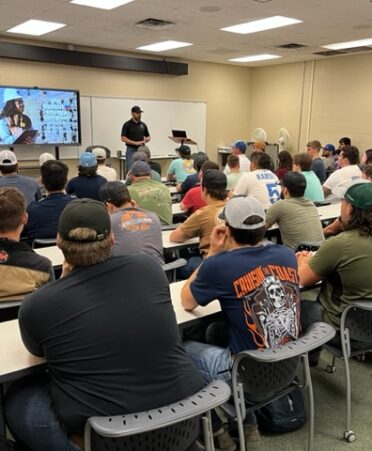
(134, 134)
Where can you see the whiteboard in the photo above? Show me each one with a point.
(160, 116)
(102, 119)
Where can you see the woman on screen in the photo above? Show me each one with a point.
(12, 120)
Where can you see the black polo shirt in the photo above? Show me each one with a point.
(135, 131)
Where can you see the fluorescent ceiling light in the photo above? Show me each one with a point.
(36, 27)
(101, 4)
(349, 44)
(260, 25)
(164, 45)
(252, 58)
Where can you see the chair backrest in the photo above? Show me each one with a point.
(43, 242)
(357, 318)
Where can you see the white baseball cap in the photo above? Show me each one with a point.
(46, 156)
(7, 158)
(99, 153)
(239, 209)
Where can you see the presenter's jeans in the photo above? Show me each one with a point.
(131, 150)
(31, 417)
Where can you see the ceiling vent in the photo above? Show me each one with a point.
(292, 45)
(155, 24)
(358, 49)
(330, 53)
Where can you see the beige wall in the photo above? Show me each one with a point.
(322, 99)
(225, 89)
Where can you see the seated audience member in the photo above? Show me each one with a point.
(88, 182)
(302, 163)
(193, 179)
(261, 182)
(349, 170)
(155, 166)
(337, 226)
(181, 167)
(343, 142)
(149, 194)
(87, 325)
(43, 215)
(297, 217)
(134, 230)
(285, 162)
(108, 173)
(343, 261)
(234, 174)
(313, 150)
(259, 146)
(200, 224)
(239, 149)
(141, 156)
(10, 177)
(44, 157)
(244, 280)
(329, 158)
(193, 199)
(21, 269)
(367, 157)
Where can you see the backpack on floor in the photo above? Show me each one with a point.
(284, 414)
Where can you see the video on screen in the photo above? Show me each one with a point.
(39, 116)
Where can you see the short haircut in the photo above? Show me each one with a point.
(351, 153)
(12, 207)
(367, 169)
(285, 159)
(303, 160)
(114, 192)
(145, 149)
(345, 140)
(199, 159)
(295, 183)
(80, 253)
(8, 169)
(369, 156)
(54, 175)
(140, 156)
(233, 161)
(315, 144)
(207, 165)
(262, 160)
(250, 237)
(87, 172)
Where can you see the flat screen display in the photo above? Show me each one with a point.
(39, 116)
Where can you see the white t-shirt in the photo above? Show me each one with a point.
(109, 173)
(245, 164)
(262, 184)
(349, 172)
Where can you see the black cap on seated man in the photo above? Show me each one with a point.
(110, 339)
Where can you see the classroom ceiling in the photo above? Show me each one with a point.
(199, 22)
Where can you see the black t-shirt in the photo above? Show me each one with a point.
(111, 340)
(84, 186)
(135, 131)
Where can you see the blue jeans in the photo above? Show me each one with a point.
(131, 150)
(31, 417)
(214, 362)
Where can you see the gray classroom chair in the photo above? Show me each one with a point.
(356, 325)
(171, 268)
(263, 375)
(168, 428)
(43, 242)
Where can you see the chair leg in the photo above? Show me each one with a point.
(349, 435)
(207, 431)
(239, 402)
(87, 437)
(332, 367)
(309, 384)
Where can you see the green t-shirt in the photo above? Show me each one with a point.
(314, 190)
(345, 262)
(298, 221)
(153, 196)
(232, 180)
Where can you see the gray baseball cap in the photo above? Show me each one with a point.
(239, 209)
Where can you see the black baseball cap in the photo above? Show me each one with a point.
(136, 109)
(85, 213)
(214, 179)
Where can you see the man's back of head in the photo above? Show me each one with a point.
(214, 183)
(8, 162)
(349, 155)
(140, 170)
(54, 175)
(84, 233)
(303, 161)
(233, 162)
(12, 212)
(313, 148)
(294, 184)
(100, 154)
(261, 160)
(115, 193)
